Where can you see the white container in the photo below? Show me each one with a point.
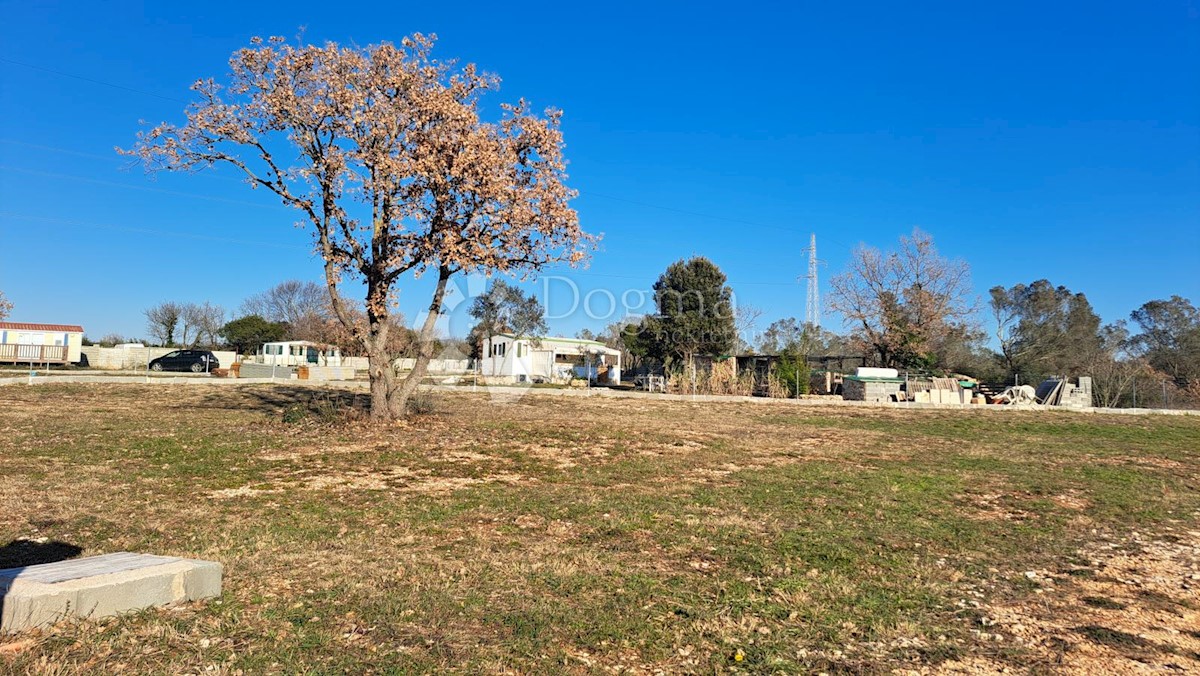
(875, 372)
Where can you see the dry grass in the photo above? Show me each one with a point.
(565, 534)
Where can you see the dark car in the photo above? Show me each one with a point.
(196, 361)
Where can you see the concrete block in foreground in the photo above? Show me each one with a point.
(99, 586)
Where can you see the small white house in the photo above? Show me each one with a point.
(299, 353)
(526, 359)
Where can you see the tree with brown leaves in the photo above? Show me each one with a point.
(902, 305)
(382, 151)
(5, 306)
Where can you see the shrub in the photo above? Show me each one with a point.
(421, 403)
(792, 374)
(327, 407)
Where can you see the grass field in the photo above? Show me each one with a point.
(610, 535)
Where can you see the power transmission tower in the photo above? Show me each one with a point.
(812, 308)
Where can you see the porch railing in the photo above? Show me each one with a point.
(35, 354)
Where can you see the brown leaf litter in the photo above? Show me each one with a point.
(1134, 608)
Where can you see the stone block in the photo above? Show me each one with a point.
(100, 586)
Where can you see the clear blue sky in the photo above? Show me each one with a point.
(1055, 140)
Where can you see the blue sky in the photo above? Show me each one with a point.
(1034, 140)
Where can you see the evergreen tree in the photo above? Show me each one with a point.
(695, 312)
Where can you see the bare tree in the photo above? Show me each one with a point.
(305, 311)
(205, 321)
(331, 331)
(902, 303)
(5, 307)
(745, 324)
(791, 335)
(293, 302)
(111, 339)
(1114, 379)
(393, 169)
(162, 321)
(1123, 376)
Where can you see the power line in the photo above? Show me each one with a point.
(178, 193)
(685, 212)
(144, 231)
(55, 149)
(91, 80)
(699, 214)
(188, 235)
(648, 205)
(272, 206)
(212, 172)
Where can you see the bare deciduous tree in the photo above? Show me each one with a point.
(305, 311)
(293, 302)
(902, 304)
(745, 323)
(5, 306)
(204, 320)
(393, 169)
(791, 335)
(162, 321)
(111, 339)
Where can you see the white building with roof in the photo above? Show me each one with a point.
(299, 353)
(40, 343)
(550, 359)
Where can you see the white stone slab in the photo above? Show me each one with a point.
(876, 372)
(100, 586)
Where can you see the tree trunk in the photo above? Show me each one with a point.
(407, 388)
(383, 383)
(379, 361)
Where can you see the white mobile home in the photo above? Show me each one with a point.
(40, 343)
(526, 359)
(299, 353)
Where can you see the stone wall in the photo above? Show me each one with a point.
(869, 390)
(437, 365)
(1077, 396)
(405, 364)
(331, 373)
(136, 358)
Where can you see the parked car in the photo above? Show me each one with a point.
(196, 361)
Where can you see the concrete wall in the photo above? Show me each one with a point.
(251, 370)
(858, 390)
(435, 365)
(330, 373)
(1077, 396)
(943, 396)
(136, 358)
